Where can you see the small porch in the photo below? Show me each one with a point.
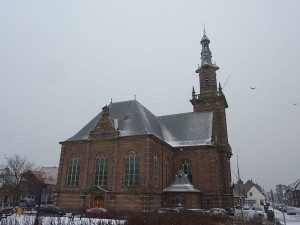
(181, 193)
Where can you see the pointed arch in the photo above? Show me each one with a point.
(186, 167)
(101, 170)
(73, 171)
(132, 169)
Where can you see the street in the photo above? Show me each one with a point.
(290, 220)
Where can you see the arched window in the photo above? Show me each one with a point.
(73, 171)
(186, 167)
(154, 177)
(166, 172)
(101, 170)
(132, 169)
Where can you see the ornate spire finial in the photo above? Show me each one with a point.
(193, 93)
(204, 32)
(220, 87)
(105, 110)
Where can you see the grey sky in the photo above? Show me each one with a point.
(61, 61)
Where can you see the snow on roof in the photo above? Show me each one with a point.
(181, 183)
(245, 187)
(132, 118)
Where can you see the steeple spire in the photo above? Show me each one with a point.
(209, 90)
(193, 93)
(205, 53)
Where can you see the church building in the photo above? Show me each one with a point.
(126, 158)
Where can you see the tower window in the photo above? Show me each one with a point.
(206, 81)
(186, 167)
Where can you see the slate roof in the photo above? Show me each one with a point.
(132, 118)
(181, 183)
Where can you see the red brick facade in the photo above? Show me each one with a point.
(210, 163)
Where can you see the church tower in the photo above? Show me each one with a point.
(212, 99)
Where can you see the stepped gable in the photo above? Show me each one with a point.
(132, 118)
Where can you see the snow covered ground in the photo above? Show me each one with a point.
(290, 220)
(29, 220)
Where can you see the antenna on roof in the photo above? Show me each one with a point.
(134, 97)
(238, 166)
(204, 32)
(226, 82)
(110, 100)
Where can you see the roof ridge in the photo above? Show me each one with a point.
(145, 108)
(139, 115)
(184, 114)
(111, 103)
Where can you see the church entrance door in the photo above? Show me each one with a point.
(99, 202)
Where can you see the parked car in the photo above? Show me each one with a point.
(291, 212)
(51, 210)
(218, 212)
(259, 210)
(196, 211)
(164, 210)
(6, 211)
(246, 207)
(230, 211)
(96, 212)
(282, 208)
(27, 203)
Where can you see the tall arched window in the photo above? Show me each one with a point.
(132, 169)
(166, 173)
(101, 170)
(186, 167)
(73, 171)
(154, 177)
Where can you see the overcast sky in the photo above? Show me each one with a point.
(61, 61)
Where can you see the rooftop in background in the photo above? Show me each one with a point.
(50, 175)
(245, 187)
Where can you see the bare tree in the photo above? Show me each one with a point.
(142, 193)
(11, 175)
